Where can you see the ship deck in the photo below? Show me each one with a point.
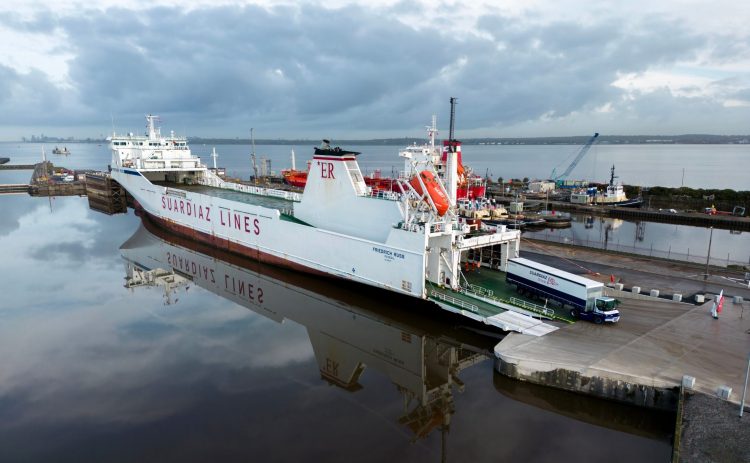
(272, 202)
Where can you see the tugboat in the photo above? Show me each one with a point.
(64, 151)
(614, 195)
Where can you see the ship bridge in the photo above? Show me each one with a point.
(157, 157)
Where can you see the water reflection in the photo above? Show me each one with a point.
(653, 424)
(348, 332)
(421, 352)
(170, 372)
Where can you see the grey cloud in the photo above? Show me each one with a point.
(296, 71)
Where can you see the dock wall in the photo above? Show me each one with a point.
(699, 219)
(599, 383)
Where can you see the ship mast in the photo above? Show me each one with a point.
(432, 133)
(451, 161)
(214, 156)
(453, 122)
(252, 156)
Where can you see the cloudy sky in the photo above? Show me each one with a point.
(374, 68)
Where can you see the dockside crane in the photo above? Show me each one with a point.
(584, 149)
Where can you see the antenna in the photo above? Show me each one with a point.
(113, 123)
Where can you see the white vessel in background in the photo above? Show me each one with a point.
(614, 194)
(411, 243)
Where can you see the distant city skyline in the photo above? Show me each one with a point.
(374, 69)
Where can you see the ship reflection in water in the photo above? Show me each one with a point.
(351, 328)
(422, 356)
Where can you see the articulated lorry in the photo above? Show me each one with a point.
(585, 297)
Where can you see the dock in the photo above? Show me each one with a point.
(640, 360)
(104, 194)
(728, 222)
(9, 188)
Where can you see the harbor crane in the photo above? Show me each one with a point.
(584, 149)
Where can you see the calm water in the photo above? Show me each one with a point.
(203, 369)
(705, 166)
(660, 239)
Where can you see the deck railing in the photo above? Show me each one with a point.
(532, 307)
(479, 291)
(216, 182)
(455, 301)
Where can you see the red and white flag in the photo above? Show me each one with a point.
(720, 301)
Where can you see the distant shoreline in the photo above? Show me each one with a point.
(689, 139)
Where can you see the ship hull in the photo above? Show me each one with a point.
(267, 235)
(637, 202)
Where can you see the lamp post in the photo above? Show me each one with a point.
(744, 391)
(708, 257)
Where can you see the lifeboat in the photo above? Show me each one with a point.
(439, 199)
(296, 178)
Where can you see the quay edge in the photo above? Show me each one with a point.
(642, 359)
(599, 383)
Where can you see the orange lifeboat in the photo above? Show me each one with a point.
(433, 189)
(296, 178)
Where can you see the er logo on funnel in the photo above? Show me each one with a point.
(326, 169)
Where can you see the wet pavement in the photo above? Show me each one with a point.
(668, 276)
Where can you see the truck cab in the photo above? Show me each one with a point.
(603, 310)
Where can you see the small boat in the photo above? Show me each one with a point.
(517, 223)
(297, 178)
(63, 151)
(614, 195)
(554, 219)
(294, 177)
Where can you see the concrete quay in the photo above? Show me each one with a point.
(640, 360)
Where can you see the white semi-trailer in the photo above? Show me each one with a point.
(584, 296)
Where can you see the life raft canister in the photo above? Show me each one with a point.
(433, 189)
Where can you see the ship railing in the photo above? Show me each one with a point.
(454, 301)
(530, 306)
(216, 182)
(382, 194)
(479, 291)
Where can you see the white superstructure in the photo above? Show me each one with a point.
(337, 227)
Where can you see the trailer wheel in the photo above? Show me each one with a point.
(574, 313)
(598, 319)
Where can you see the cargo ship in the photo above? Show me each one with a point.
(411, 243)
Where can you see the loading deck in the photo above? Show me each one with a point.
(233, 195)
(486, 294)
